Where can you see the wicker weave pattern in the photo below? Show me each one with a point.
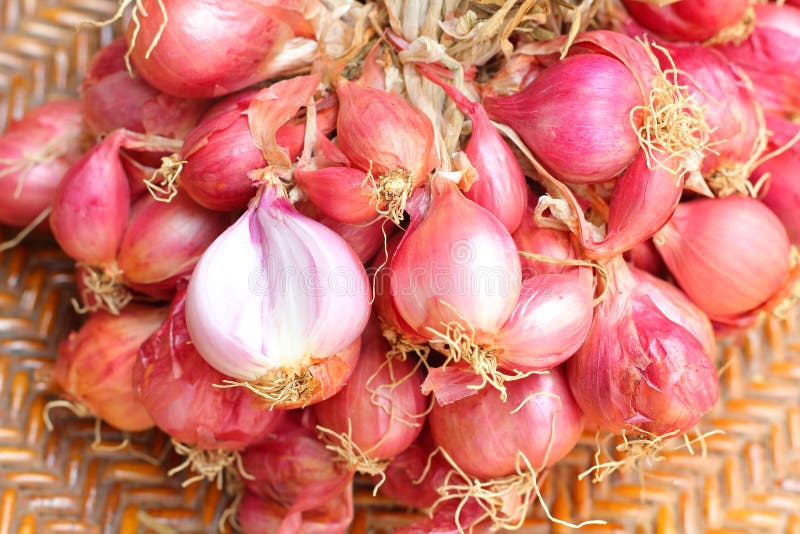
(749, 481)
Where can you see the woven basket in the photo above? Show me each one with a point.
(747, 481)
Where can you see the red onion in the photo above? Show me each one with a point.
(500, 187)
(782, 195)
(585, 117)
(643, 367)
(177, 388)
(497, 448)
(457, 284)
(386, 151)
(737, 136)
(35, 153)
(91, 205)
(201, 49)
(770, 57)
(730, 255)
(94, 365)
(694, 20)
(380, 411)
(575, 117)
(294, 469)
(163, 242)
(231, 139)
(111, 99)
(257, 516)
(90, 214)
(266, 301)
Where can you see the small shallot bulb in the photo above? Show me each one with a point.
(497, 448)
(575, 117)
(91, 205)
(220, 154)
(163, 242)
(267, 301)
(293, 468)
(769, 57)
(456, 278)
(730, 255)
(111, 99)
(210, 48)
(736, 131)
(692, 20)
(178, 389)
(380, 411)
(257, 516)
(643, 368)
(782, 194)
(35, 154)
(388, 147)
(500, 187)
(94, 365)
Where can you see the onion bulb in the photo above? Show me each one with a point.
(266, 300)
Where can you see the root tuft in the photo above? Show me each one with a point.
(456, 342)
(642, 449)
(673, 126)
(212, 465)
(165, 189)
(391, 191)
(279, 387)
(105, 285)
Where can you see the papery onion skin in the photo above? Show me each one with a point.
(212, 48)
(94, 365)
(178, 389)
(770, 57)
(467, 272)
(674, 304)
(687, 20)
(484, 438)
(381, 132)
(91, 205)
(722, 270)
(575, 117)
(270, 293)
(639, 370)
(381, 404)
(782, 193)
(729, 105)
(405, 483)
(111, 99)
(164, 241)
(27, 190)
(292, 466)
(257, 516)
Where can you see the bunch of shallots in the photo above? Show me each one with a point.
(434, 255)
